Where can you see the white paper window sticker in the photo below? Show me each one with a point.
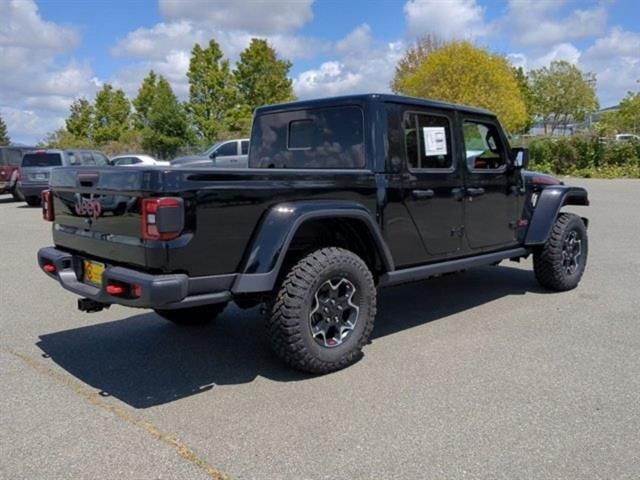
(435, 141)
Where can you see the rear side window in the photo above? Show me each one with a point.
(245, 147)
(428, 141)
(312, 138)
(41, 160)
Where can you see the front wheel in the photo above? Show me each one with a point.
(193, 315)
(324, 311)
(560, 263)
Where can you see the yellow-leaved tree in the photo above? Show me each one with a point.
(460, 72)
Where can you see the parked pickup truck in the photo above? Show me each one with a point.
(342, 196)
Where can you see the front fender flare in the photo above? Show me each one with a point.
(550, 201)
(274, 235)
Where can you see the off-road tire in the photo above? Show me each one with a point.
(549, 261)
(193, 315)
(33, 201)
(289, 322)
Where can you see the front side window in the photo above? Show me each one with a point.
(227, 149)
(87, 158)
(483, 146)
(125, 161)
(327, 138)
(100, 159)
(428, 141)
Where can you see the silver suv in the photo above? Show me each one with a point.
(36, 167)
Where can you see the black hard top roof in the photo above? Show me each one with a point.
(384, 97)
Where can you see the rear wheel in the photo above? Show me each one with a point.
(193, 315)
(324, 312)
(560, 263)
(33, 201)
(17, 195)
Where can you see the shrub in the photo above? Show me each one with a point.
(586, 156)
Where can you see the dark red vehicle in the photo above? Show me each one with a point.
(10, 157)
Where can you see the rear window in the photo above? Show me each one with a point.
(313, 138)
(41, 160)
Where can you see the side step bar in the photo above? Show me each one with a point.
(425, 271)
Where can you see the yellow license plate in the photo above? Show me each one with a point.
(93, 272)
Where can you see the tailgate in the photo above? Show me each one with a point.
(97, 213)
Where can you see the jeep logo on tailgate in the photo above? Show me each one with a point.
(88, 207)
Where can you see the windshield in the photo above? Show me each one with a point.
(41, 160)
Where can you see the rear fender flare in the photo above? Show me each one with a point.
(273, 237)
(550, 200)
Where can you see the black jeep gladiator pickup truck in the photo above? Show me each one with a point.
(342, 195)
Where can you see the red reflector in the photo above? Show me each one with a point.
(49, 268)
(136, 291)
(115, 289)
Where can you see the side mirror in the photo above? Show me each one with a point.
(520, 158)
(213, 155)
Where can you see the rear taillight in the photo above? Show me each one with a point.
(162, 218)
(47, 206)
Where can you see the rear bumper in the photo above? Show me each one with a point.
(32, 189)
(172, 291)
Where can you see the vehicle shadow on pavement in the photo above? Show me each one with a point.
(145, 361)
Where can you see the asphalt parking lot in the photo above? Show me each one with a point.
(475, 375)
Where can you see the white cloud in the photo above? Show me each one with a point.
(615, 59)
(447, 19)
(29, 126)
(35, 87)
(362, 66)
(257, 16)
(541, 23)
(22, 27)
(166, 47)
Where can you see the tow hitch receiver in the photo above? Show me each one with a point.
(90, 306)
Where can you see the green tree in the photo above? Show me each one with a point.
(111, 114)
(4, 135)
(167, 128)
(561, 94)
(627, 118)
(527, 96)
(463, 73)
(415, 56)
(212, 91)
(142, 103)
(80, 120)
(261, 77)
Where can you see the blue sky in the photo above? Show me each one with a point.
(53, 51)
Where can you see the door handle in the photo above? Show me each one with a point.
(420, 194)
(475, 192)
(458, 193)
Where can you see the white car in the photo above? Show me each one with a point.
(626, 137)
(135, 160)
